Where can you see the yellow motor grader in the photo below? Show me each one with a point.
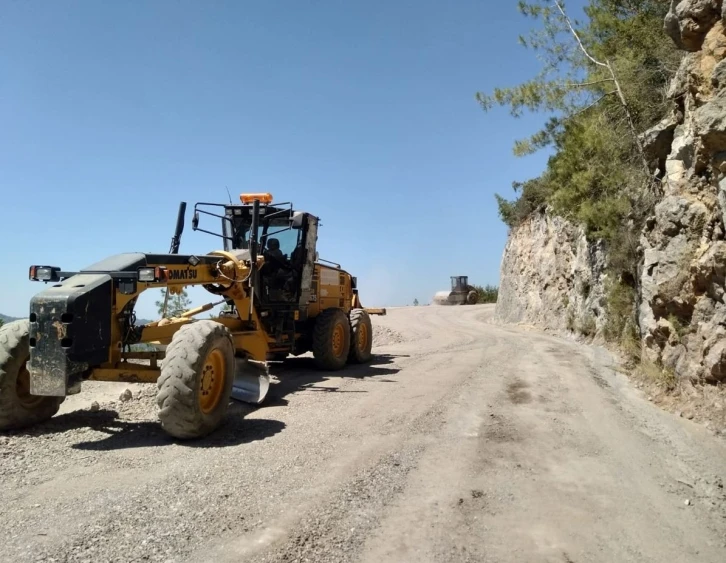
(279, 298)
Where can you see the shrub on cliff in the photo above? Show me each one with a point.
(603, 82)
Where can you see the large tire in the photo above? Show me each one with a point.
(361, 333)
(18, 408)
(196, 380)
(331, 339)
(472, 298)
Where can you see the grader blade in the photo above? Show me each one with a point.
(251, 382)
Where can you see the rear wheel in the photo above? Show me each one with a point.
(472, 298)
(331, 339)
(18, 408)
(196, 380)
(361, 341)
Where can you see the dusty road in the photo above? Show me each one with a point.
(464, 441)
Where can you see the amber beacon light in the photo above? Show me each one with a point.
(263, 198)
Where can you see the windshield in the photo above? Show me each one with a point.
(286, 240)
(269, 233)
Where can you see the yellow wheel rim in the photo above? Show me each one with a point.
(338, 339)
(362, 337)
(211, 384)
(22, 389)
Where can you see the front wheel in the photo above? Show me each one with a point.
(18, 408)
(196, 379)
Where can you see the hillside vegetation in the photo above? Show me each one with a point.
(603, 82)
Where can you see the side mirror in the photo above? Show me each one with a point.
(195, 220)
(297, 220)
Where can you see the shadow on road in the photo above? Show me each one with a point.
(294, 374)
(123, 434)
(300, 374)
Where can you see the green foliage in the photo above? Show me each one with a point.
(596, 175)
(2, 322)
(681, 326)
(415, 302)
(620, 302)
(587, 326)
(534, 195)
(488, 293)
(176, 305)
(657, 374)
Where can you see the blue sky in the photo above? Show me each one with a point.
(362, 113)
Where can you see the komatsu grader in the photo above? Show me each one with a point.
(279, 298)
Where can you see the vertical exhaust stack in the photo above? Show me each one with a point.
(176, 239)
(254, 250)
(175, 243)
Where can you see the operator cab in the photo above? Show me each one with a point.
(285, 238)
(459, 283)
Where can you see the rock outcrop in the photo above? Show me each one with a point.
(551, 276)
(688, 21)
(681, 308)
(682, 312)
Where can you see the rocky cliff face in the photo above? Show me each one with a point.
(551, 276)
(682, 314)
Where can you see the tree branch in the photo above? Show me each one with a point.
(631, 122)
(584, 84)
(577, 37)
(600, 99)
(618, 90)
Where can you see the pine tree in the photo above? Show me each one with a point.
(602, 83)
(177, 304)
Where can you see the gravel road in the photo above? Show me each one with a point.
(463, 441)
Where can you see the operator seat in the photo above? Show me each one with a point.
(273, 254)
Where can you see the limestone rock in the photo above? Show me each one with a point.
(710, 123)
(710, 268)
(686, 76)
(688, 21)
(672, 355)
(658, 139)
(715, 363)
(551, 276)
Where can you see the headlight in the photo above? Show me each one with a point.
(43, 273)
(147, 274)
(152, 274)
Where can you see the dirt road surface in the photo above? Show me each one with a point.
(463, 441)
